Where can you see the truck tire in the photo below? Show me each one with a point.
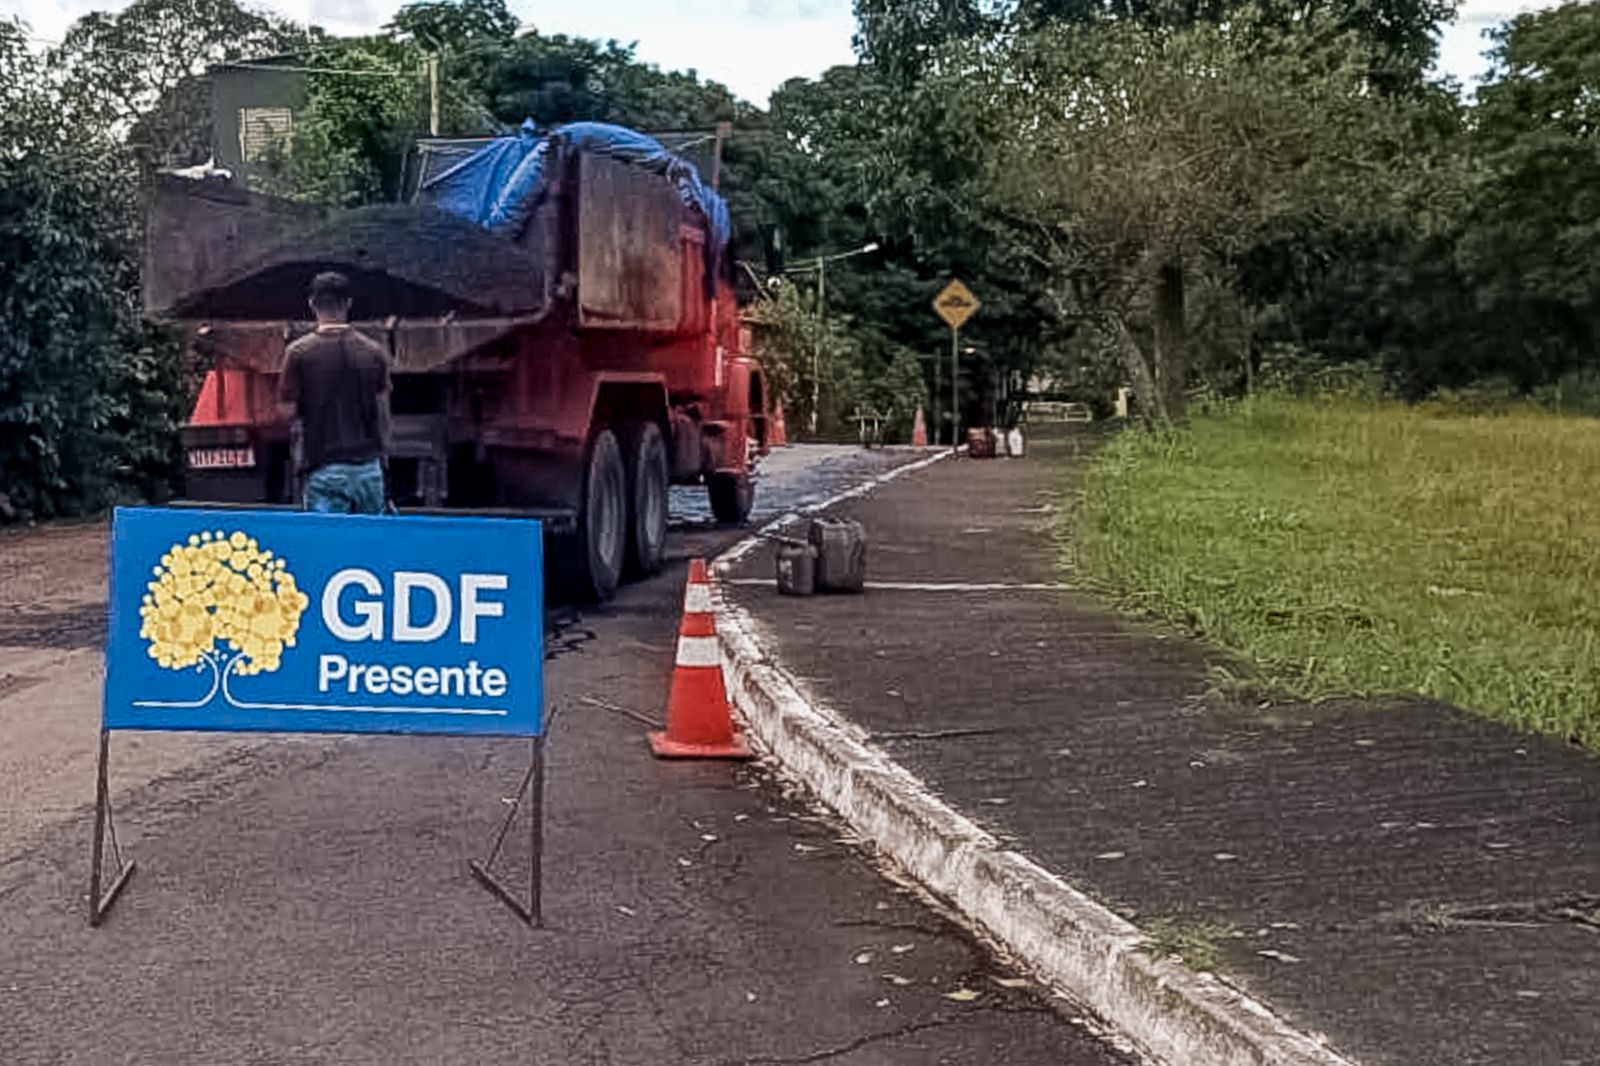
(602, 524)
(732, 496)
(647, 499)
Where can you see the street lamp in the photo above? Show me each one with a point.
(819, 264)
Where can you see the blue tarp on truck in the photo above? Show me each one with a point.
(498, 186)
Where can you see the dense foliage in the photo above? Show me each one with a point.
(88, 391)
(1254, 186)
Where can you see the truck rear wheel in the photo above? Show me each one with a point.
(732, 496)
(647, 499)
(603, 524)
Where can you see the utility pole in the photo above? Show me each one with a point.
(724, 131)
(822, 331)
(955, 386)
(820, 265)
(433, 94)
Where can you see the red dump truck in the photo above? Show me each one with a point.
(559, 313)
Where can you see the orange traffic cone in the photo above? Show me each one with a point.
(919, 431)
(699, 724)
(780, 433)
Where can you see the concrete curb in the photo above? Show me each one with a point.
(1173, 1014)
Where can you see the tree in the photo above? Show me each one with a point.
(1532, 243)
(366, 104)
(138, 73)
(1138, 156)
(903, 38)
(807, 355)
(944, 62)
(900, 39)
(89, 394)
(903, 167)
(443, 25)
(1489, 272)
(898, 391)
(554, 79)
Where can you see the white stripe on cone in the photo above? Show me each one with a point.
(699, 651)
(697, 599)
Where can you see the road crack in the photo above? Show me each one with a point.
(824, 1054)
(1579, 909)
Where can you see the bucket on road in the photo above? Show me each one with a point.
(797, 569)
(841, 554)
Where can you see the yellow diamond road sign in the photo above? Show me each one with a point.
(956, 304)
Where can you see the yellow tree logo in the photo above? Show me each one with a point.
(220, 601)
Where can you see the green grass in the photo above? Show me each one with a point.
(1350, 549)
(1197, 943)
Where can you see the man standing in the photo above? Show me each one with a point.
(336, 382)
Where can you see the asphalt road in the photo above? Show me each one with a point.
(306, 900)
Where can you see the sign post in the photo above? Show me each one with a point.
(955, 304)
(531, 790)
(287, 622)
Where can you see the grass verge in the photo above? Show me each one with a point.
(1364, 550)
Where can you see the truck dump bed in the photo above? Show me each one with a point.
(487, 235)
(403, 259)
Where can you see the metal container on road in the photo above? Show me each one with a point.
(841, 550)
(797, 569)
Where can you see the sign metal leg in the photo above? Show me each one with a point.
(104, 825)
(536, 837)
(530, 910)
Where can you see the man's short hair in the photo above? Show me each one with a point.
(329, 287)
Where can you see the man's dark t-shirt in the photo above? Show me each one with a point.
(338, 380)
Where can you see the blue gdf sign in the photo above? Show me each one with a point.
(291, 622)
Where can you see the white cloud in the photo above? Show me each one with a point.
(1463, 44)
(752, 46)
(1493, 12)
(338, 16)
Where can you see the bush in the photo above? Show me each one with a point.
(1294, 371)
(89, 393)
(1576, 393)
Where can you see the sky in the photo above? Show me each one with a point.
(753, 46)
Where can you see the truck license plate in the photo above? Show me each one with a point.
(221, 458)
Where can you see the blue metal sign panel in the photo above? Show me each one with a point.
(271, 621)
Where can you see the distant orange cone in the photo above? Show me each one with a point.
(779, 437)
(919, 431)
(699, 723)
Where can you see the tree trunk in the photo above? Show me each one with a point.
(1250, 317)
(1152, 403)
(1172, 340)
